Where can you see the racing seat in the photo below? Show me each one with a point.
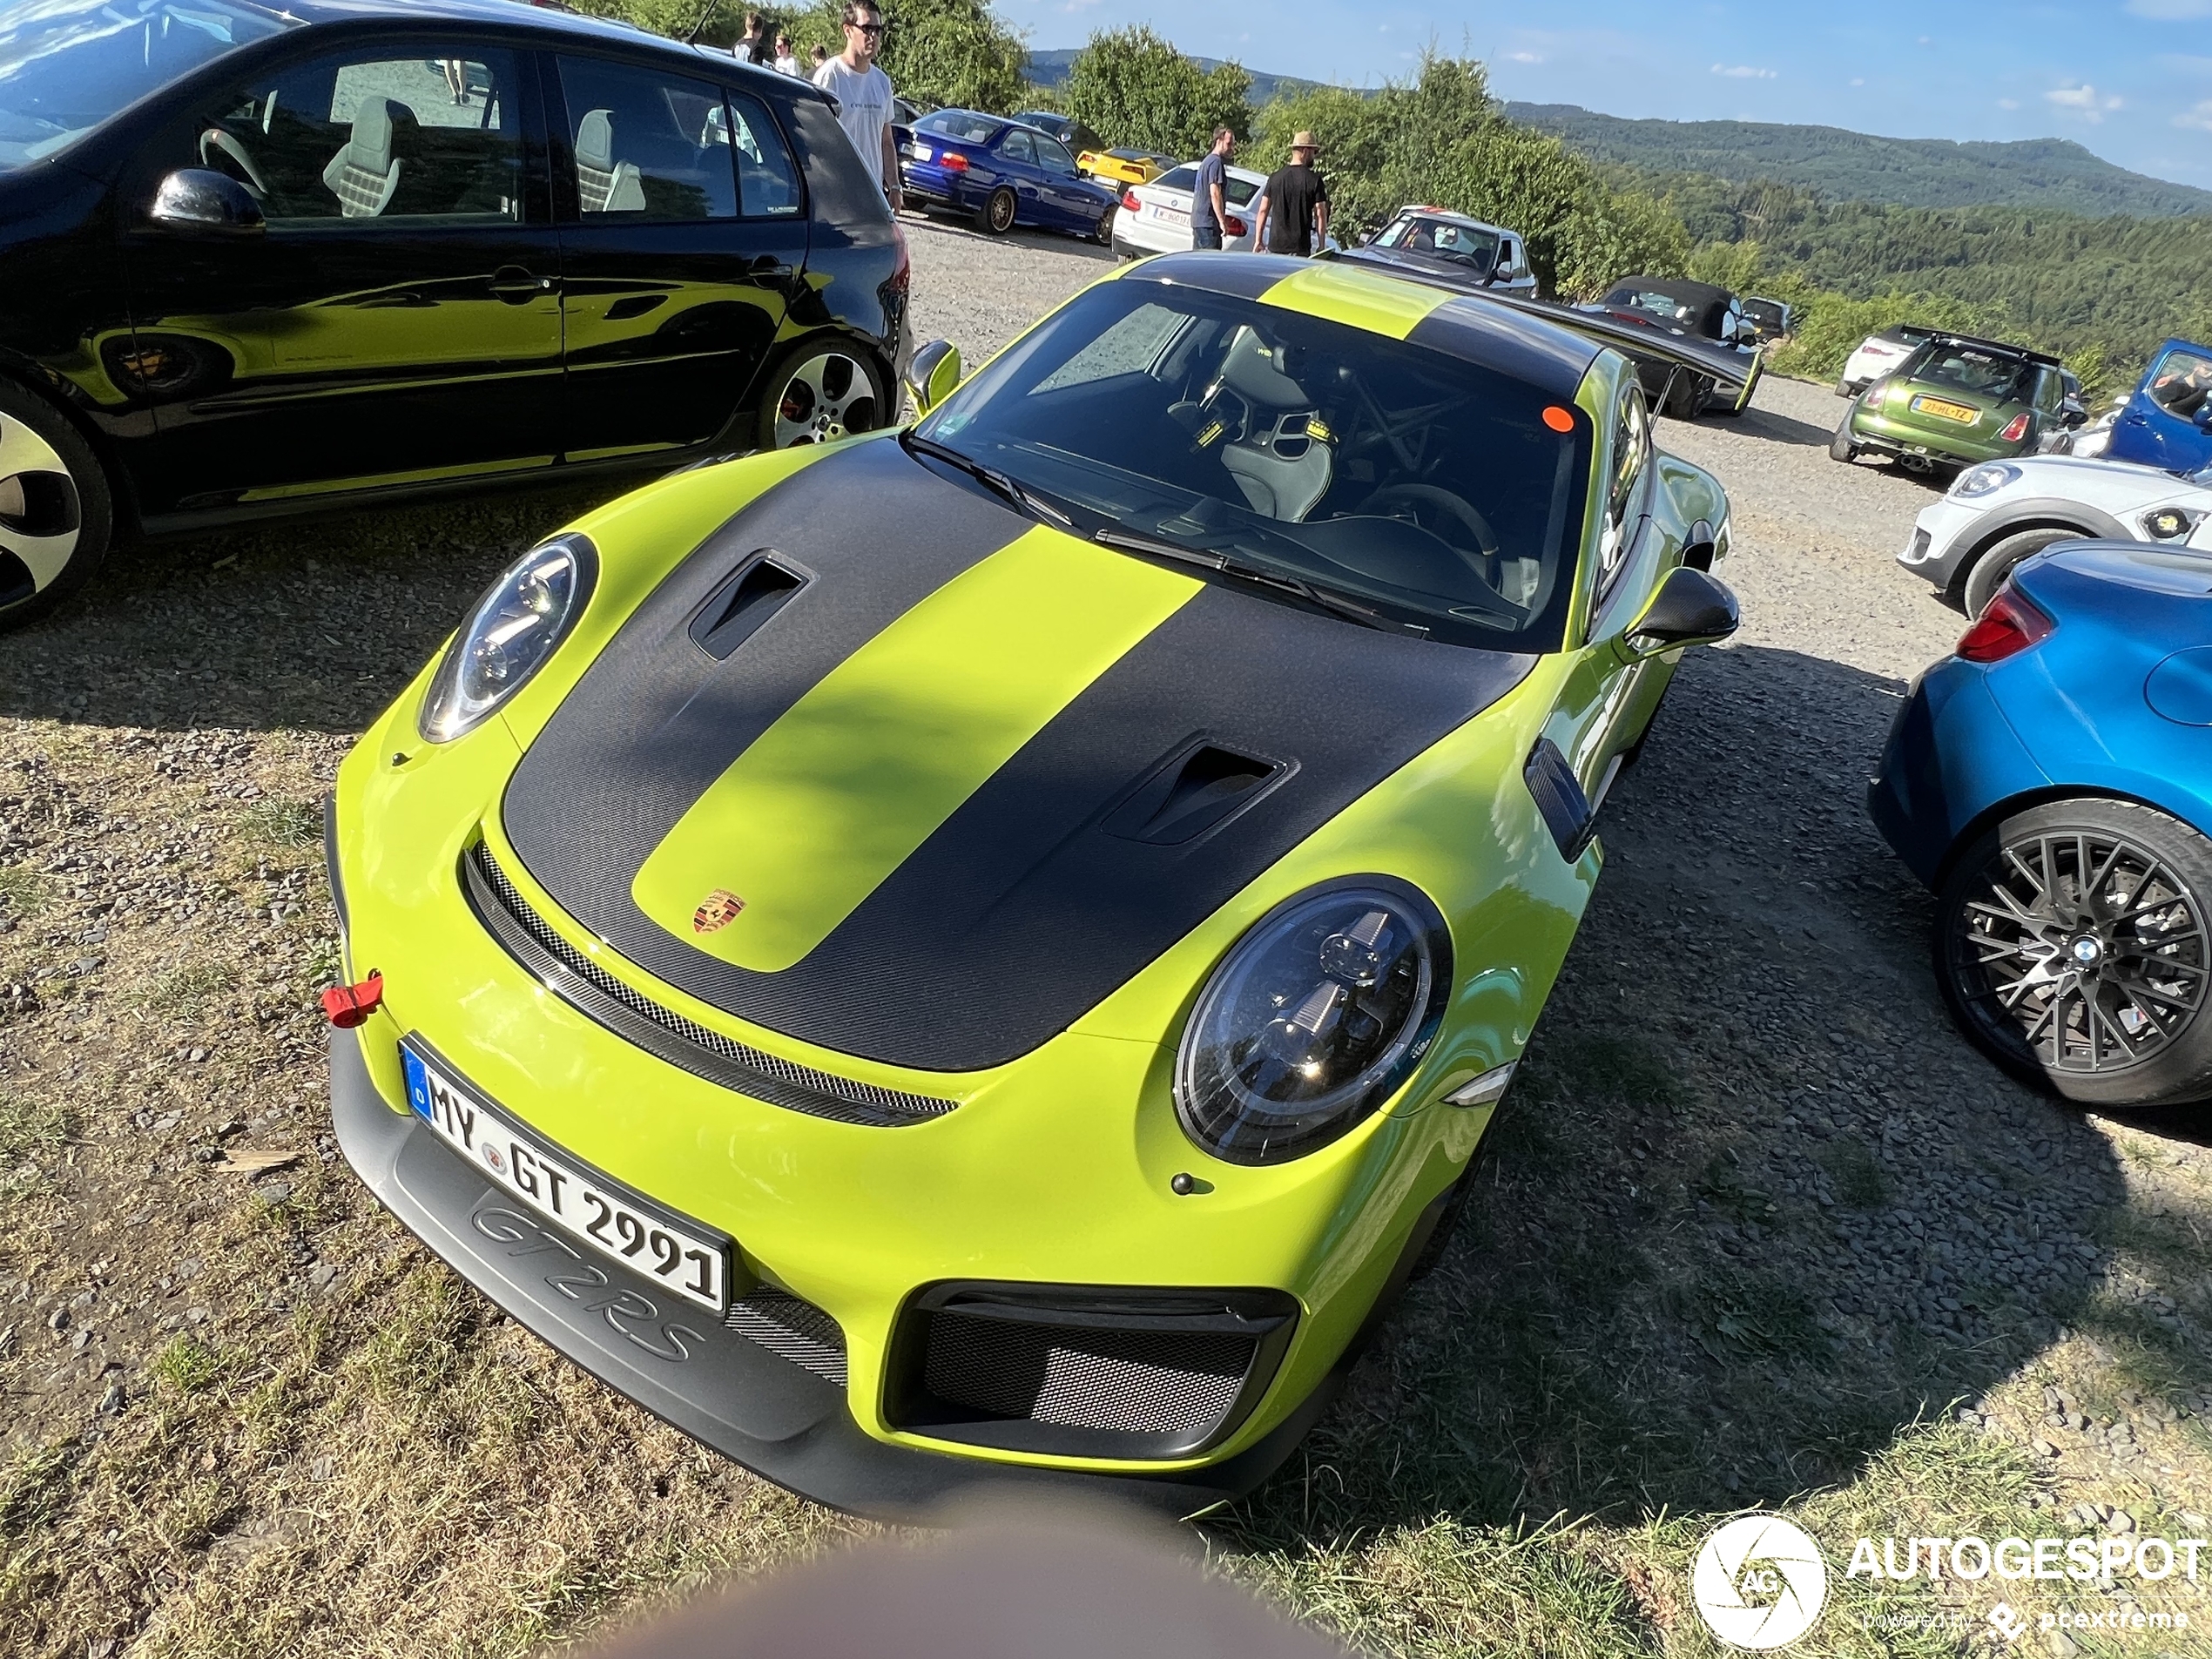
(365, 171)
(1282, 471)
(603, 185)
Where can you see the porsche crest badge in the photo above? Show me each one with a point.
(718, 910)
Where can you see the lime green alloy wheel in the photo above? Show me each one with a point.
(977, 956)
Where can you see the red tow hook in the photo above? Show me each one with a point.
(348, 1006)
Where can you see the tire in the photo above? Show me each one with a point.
(1986, 573)
(1840, 447)
(1104, 234)
(2014, 909)
(57, 512)
(995, 217)
(823, 390)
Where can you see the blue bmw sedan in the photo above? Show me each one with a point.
(2051, 782)
(1003, 174)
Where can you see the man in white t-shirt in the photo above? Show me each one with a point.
(787, 57)
(863, 95)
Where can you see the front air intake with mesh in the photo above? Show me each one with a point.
(1124, 1372)
(1128, 1382)
(593, 992)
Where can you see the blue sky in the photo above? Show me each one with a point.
(2131, 79)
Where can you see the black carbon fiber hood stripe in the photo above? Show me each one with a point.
(1024, 909)
(657, 719)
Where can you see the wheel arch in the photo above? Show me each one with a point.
(39, 383)
(1990, 816)
(2041, 514)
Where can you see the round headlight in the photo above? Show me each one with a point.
(514, 627)
(1314, 1020)
(2168, 523)
(1980, 481)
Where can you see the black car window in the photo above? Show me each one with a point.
(1183, 179)
(1979, 369)
(1400, 483)
(1053, 157)
(645, 145)
(1017, 146)
(392, 134)
(67, 65)
(2181, 383)
(768, 178)
(961, 125)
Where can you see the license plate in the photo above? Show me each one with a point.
(919, 152)
(1171, 215)
(1960, 412)
(689, 1259)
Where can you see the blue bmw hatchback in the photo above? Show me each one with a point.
(2053, 783)
(1004, 174)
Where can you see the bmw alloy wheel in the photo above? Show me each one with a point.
(2079, 948)
(827, 396)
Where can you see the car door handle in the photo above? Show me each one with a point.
(514, 285)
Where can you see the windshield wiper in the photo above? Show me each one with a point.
(1022, 500)
(1327, 598)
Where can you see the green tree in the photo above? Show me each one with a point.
(1134, 88)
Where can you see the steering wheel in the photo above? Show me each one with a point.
(1442, 501)
(215, 140)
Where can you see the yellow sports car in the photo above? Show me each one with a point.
(1123, 166)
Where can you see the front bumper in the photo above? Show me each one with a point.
(1936, 546)
(753, 1404)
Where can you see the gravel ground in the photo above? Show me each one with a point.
(1757, 1227)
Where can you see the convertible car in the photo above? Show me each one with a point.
(980, 956)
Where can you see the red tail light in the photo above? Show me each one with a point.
(2015, 429)
(1130, 204)
(2008, 625)
(952, 161)
(1233, 226)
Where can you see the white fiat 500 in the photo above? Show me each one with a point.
(2001, 512)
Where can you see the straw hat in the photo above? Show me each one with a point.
(1303, 139)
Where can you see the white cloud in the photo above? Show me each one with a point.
(2171, 10)
(2084, 100)
(2008, 103)
(1524, 57)
(1859, 80)
(1743, 72)
(2199, 116)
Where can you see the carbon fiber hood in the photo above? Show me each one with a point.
(1208, 746)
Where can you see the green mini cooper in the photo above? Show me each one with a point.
(1954, 402)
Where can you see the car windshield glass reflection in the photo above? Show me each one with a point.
(1428, 491)
(65, 68)
(1970, 368)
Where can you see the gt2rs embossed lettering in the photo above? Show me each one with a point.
(629, 1313)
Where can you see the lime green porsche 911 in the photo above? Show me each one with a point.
(978, 955)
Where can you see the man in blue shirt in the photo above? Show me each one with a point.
(1208, 206)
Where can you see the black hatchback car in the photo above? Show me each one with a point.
(257, 260)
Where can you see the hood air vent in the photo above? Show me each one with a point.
(733, 612)
(1196, 790)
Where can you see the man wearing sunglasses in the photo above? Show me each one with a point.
(863, 95)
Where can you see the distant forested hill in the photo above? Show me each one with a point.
(2046, 174)
(1048, 69)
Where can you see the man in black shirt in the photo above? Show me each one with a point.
(1294, 213)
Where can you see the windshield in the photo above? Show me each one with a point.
(1979, 369)
(1444, 238)
(961, 124)
(1425, 491)
(66, 66)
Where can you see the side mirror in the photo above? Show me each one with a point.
(932, 375)
(2075, 417)
(196, 199)
(1689, 609)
